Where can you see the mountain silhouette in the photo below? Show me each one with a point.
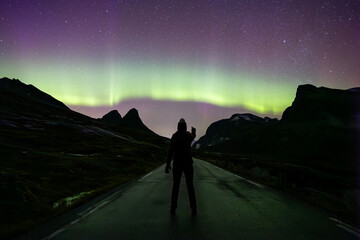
(46, 147)
(323, 104)
(226, 129)
(113, 117)
(319, 129)
(312, 152)
(17, 96)
(130, 120)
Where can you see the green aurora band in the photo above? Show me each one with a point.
(94, 84)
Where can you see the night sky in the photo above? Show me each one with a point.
(201, 60)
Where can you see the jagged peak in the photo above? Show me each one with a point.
(113, 114)
(133, 112)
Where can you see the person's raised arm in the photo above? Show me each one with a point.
(193, 133)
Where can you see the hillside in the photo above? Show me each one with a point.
(53, 158)
(319, 128)
(311, 152)
(227, 129)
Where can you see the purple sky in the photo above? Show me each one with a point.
(60, 45)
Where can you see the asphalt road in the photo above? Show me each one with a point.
(229, 207)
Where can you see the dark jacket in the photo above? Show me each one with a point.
(180, 147)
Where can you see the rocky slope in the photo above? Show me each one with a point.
(232, 128)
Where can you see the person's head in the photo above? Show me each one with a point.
(182, 125)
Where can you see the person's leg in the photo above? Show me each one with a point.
(175, 189)
(189, 174)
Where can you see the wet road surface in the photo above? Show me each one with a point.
(229, 207)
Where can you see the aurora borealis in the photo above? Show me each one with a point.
(207, 57)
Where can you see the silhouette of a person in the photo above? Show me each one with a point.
(180, 150)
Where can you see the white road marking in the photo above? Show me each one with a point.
(92, 209)
(239, 177)
(145, 176)
(84, 214)
(254, 183)
(87, 212)
(345, 226)
(75, 221)
(218, 168)
(249, 181)
(348, 230)
(54, 234)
